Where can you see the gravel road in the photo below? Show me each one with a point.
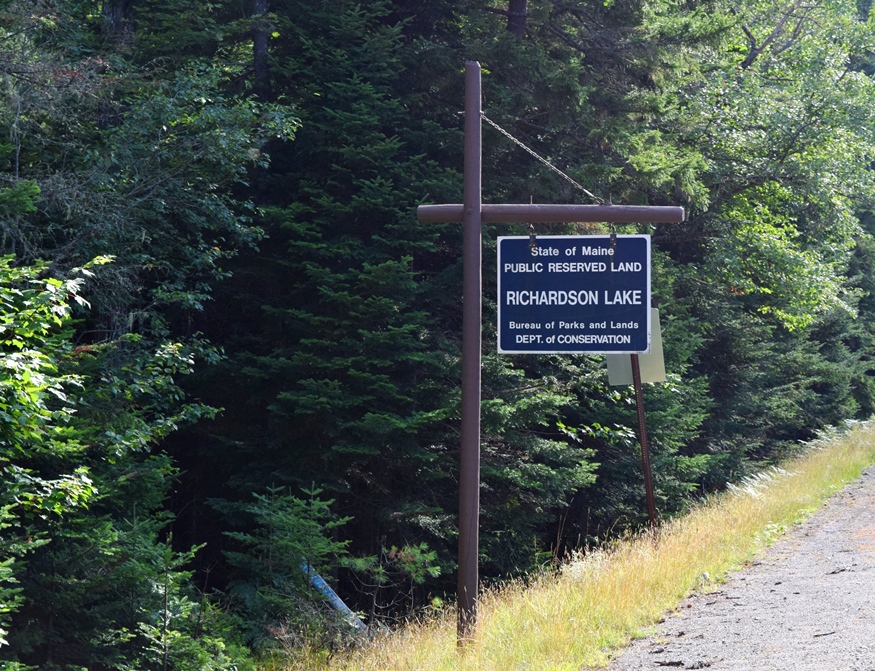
(805, 604)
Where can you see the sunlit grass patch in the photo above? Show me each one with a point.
(581, 615)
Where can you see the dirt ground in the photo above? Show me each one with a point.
(805, 604)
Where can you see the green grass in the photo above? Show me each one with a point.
(582, 616)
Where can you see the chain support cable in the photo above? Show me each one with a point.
(540, 158)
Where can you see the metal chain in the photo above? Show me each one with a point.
(552, 167)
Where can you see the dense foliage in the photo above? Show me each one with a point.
(230, 353)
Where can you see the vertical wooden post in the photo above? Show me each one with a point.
(642, 436)
(472, 297)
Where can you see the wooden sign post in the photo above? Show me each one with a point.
(472, 214)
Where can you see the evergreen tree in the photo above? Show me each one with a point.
(157, 133)
(339, 374)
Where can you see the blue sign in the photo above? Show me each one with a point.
(574, 294)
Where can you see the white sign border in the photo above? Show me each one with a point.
(568, 237)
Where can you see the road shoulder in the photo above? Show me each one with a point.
(805, 604)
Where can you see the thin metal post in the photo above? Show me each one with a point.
(642, 436)
(472, 297)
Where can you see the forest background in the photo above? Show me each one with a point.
(229, 350)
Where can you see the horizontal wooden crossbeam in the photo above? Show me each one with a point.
(545, 214)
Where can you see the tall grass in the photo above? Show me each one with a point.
(582, 615)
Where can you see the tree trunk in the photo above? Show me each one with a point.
(517, 13)
(260, 32)
(119, 20)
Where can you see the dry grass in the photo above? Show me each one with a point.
(582, 616)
